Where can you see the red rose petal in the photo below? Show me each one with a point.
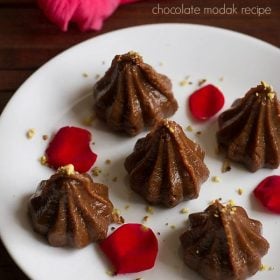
(268, 192)
(205, 102)
(70, 145)
(131, 248)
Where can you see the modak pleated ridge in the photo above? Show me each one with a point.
(71, 210)
(223, 243)
(166, 166)
(132, 95)
(249, 132)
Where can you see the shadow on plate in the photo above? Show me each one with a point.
(22, 217)
(171, 254)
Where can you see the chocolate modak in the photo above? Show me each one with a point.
(71, 210)
(223, 243)
(166, 166)
(132, 95)
(249, 132)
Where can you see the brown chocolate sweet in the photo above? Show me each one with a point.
(249, 132)
(223, 243)
(166, 166)
(132, 95)
(71, 210)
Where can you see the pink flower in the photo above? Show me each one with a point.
(87, 14)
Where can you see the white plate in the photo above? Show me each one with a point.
(58, 94)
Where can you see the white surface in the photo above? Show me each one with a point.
(58, 94)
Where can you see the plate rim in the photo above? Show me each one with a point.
(100, 37)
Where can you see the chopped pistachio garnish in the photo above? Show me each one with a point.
(216, 179)
(116, 211)
(95, 171)
(231, 202)
(189, 128)
(150, 209)
(263, 267)
(266, 86)
(226, 166)
(88, 121)
(43, 160)
(126, 206)
(67, 169)
(30, 133)
(240, 191)
(183, 83)
(184, 210)
(271, 95)
(145, 219)
(110, 272)
(201, 82)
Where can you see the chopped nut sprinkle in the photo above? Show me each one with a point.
(266, 86)
(263, 267)
(216, 215)
(115, 179)
(197, 251)
(226, 166)
(110, 272)
(107, 161)
(88, 121)
(172, 226)
(257, 94)
(67, 169)
(271, 95)
(184, 210)
(240, 191)
(198, 133)
(160, 63)
(221, 79)
(85, 75)
(113, 228)
(144, 228)
(201, 82)
(95, 171)
(97, 76)
(166, 224)
(150, 209)
(189, 128)
(183, 83)
(139, 278)
(231, 202)
(45, 137)
(145, 219)
(116, 211)
(30, 133)
(43, 160)
(158, 233)
(216, 179)
(126, 207)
